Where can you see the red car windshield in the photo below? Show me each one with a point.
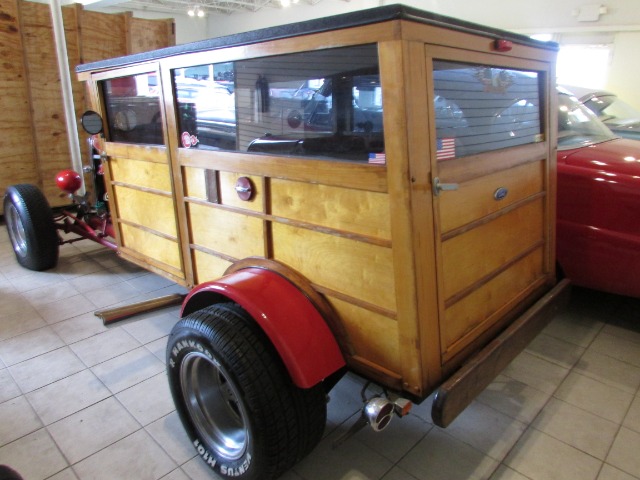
(578, 126)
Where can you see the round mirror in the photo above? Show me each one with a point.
(91, 122)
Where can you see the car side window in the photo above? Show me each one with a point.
(321, 104)
(480, 108)
(133, 109)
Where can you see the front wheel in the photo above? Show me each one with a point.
(32, 230)
(235, 399)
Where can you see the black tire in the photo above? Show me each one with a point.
(32, 231)
(235, 398)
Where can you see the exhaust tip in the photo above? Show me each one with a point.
(379, 412)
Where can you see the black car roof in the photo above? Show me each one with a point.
(335, 22)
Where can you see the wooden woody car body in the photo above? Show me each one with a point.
(332, 218)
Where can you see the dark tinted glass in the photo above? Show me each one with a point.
(133, 109)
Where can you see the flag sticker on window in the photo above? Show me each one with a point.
(378, 158)
(446, 148)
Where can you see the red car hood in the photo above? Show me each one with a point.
(620, 155)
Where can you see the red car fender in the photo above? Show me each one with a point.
(299, 333)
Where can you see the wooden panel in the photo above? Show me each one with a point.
(208, 267)
(357, 211)
(359, 270)
(195, 184)
(343, 174)
(147, 209)
(475, 198)
(232, 234)
(143, 174)
(144, 35)
(161, 249)
(103, 36)
(469, 257)
(50, 132)
(148, 153)
(372, 336)
(228, 195)
(17, 156)
(464, 318)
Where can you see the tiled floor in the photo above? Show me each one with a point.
(82, 401)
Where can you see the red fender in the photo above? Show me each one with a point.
(299, 333)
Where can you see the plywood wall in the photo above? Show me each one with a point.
(17, 156)
(34, 144)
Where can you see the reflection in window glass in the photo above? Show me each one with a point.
(325, 104)
(480, 108)
(133, 109)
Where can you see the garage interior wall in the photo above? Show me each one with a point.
(34, 143)
(562, 19)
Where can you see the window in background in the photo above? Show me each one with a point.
(583, 65)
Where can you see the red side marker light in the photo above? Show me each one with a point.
(501, 45)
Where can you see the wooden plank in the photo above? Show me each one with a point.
(360, 270)
(484, 249)
(208, 267)
(475, 199)
(326, 172)
(144, 208)
(460, 389)
(371, 336)
(103, 36)
(17, 155)
(229, 233)
(357, 211)
(142, 174)
(144, 35)
(156, 248)
(464, 319)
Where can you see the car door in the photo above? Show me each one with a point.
(138, 173)
(490, 167)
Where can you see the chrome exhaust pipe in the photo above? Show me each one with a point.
(378, 411)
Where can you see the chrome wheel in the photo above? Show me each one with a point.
(16, 231)
(212, 401)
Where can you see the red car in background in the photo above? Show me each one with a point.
(598, 209)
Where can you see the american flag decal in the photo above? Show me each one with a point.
(446, 148)
(378, 158)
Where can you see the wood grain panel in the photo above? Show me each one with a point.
(464, 318)
(146, 243)
(475, 199)
(471, 256)
(356, 211)
(144, 208)
(144, 35)
(142, 174)
(146, 153)
(208, 267)
(359, 270)
(326, 172)
(372, 336)
(103, 36)
(229, 233)
(195, 184)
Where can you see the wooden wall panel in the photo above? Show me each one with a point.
(144, 35)
(35, 144)
(17, 156)
(102, 36)
(50, 130)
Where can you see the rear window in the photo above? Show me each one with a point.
(480, 108)
(322, 104)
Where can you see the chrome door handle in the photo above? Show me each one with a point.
(441, 187)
